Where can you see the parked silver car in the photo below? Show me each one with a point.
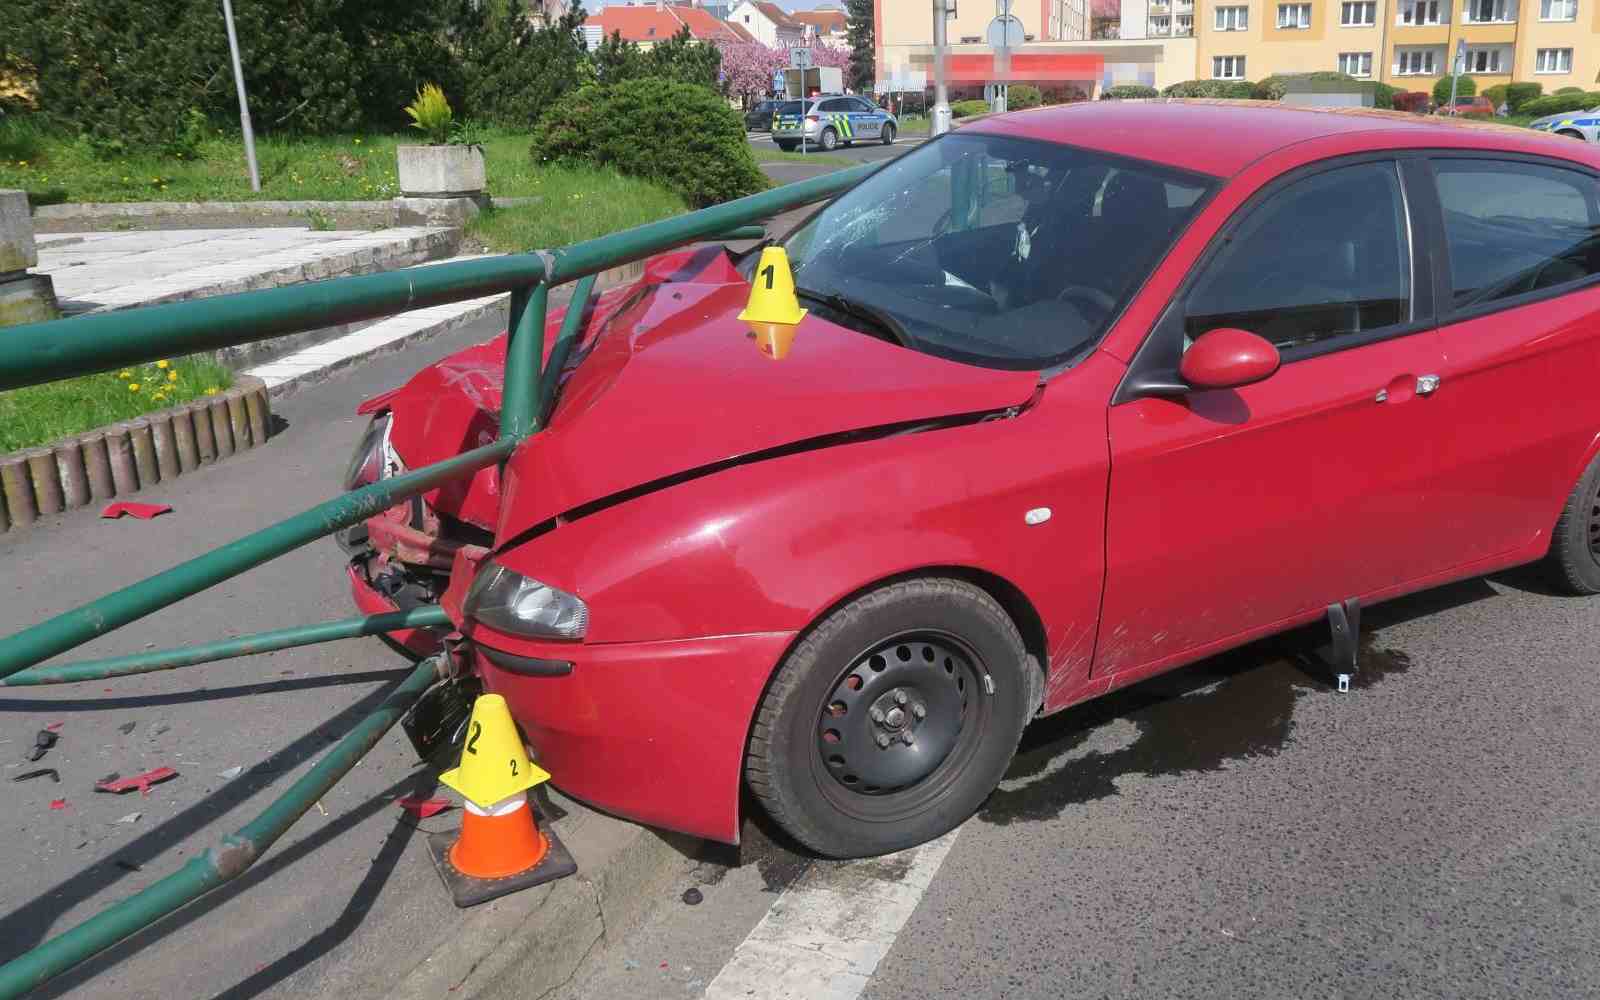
(831, 120)
(1575, 124)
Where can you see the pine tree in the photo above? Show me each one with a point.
(863, 59)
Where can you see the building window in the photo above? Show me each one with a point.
(1424, 12)
(1554, 61)
(1185, 25)
(1488, 11)
(1160, 25)
(1227, 67)
(1294, 15)
(971, 39)
(1358, 14)
(1483, 60)
(1414, 62)
(1355, 63)
(1558, 10)
(1233, 18)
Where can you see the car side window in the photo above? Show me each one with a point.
(836, 105)
(858, 104)
(1327, 256)
(1516, 227)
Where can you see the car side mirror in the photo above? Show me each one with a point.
(1226, 358)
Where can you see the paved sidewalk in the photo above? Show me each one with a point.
(99, 271)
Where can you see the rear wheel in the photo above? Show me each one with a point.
(1574, 560)
(829, 139)
(892, 721)
(787, 147)
(1570, 134)
(887, 137)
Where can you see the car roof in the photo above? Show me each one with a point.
(1221, 137)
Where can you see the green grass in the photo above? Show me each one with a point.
(575, 204)
(54, 168)
(41, 414)
(764, 155)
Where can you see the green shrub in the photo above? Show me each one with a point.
(966, 109)
(682, 136)
(22, 137)
(1466, 86)
(431, 115)
(1557, 104)
(1128, 92)
(1273, 88)
(1570, 90)
(679, 58)
(1383, 95)
(512, 71)
(1496, 94)
(1022, 96)
(1518, 94)
(1230, 89)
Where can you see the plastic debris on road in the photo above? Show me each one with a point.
(130, 818)
(58, 803)
(42, 743)
(143, 511)
(118, 786)
(54, 775)
(423, 808)
(230, 773)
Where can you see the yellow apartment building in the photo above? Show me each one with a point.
(1405, 43)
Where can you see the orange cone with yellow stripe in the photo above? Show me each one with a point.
(499, 848)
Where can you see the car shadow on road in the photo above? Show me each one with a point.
(29, 924)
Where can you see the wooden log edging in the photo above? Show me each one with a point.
(132, 455)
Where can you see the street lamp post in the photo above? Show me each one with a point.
(941, 94)
(244, 104)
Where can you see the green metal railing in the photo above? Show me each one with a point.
(44, 352)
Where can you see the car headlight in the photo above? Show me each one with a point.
(506, 600)
(366, 465)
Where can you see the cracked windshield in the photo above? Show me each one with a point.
(1048, 240)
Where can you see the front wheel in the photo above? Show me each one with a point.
(888, 135)
(1573, 564)
(891, 722)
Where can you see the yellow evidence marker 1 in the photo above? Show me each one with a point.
(772, 298)
(494, 763)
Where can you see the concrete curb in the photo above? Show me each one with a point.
(529, 943)
(101, 216)
(132, 455)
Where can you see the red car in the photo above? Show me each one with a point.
(1470, 107)
(1083, 394)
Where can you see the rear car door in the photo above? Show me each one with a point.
(1520, 331)
(835, 113)
(1234, 512)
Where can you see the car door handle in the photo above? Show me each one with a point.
(1427, 384)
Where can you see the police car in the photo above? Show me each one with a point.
(1574, 124)
(829, 120)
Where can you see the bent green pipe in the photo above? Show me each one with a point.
(221, 863)
(74, 628)
(519, 396)
(431, 616)
(571, 323)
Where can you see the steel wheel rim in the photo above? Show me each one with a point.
(1594, 525)
(899, 722)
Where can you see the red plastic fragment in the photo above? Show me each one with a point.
(143, 511)
(52, 727)
(140, 781)
(58, 803)
(423, 808)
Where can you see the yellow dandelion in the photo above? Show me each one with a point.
(163, 363)
(124, 374)
(358, 142)
(158, 397)
(124, 180)
(22, 163)
(172, 376)
(133, 387)
(211, 391)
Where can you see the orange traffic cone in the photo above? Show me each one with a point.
(499, 848)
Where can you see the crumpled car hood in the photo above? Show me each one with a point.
(667, 380)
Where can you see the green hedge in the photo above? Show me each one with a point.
(1231, 89)
(1570, 90)
(680, 135)
(1128, 92)
(1557, 104)
(1022, 96)
(1466, 86)
(966, 109)
(1519, 94)
(1383, 95)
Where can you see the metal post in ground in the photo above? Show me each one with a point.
(940, 123)
(244, 103)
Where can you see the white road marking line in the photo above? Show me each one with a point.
(825, 935)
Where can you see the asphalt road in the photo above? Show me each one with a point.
(348, 898)
(795, 169)
(1239, 829)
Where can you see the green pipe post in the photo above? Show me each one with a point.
(519, 397)
(429, 616)
(219, 864)
(76, 627)
(571, 323)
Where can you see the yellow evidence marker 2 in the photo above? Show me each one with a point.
(494, 763)
(772, 298)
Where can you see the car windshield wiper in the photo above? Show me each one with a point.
(881, 321)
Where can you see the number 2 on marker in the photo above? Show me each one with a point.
(513, 767)
(477, 731)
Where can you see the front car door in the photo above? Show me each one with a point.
(1520, 331)
(866, 121)
(1237, 512)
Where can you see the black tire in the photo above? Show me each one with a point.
(1570, 134)
(829, 140)
(787, 147)
(887, 138)
(1573, 564)
(887, 643)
